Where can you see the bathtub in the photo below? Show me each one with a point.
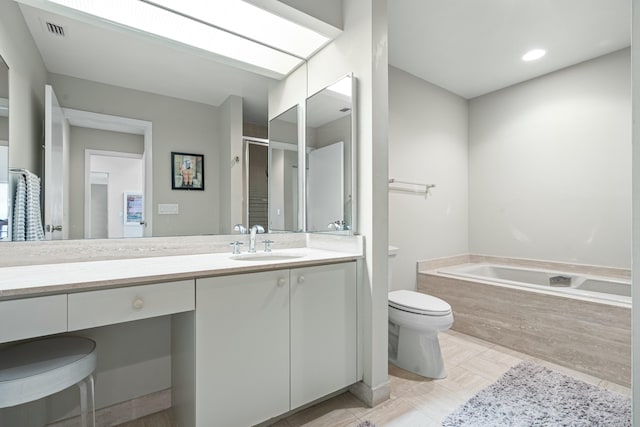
(582, 321)
(582, 286)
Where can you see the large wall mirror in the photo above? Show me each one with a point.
(196, 103)
(330, 158)
(284, 175)
(4, 151)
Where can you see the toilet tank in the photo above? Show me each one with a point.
(393, 251)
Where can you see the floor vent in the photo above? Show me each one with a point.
(55, 29)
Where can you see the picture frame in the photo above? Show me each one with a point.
(187, 171)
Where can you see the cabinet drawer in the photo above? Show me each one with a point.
(109, 306)
(32, 317)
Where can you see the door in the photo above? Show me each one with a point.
(325, 187)
(56, 221)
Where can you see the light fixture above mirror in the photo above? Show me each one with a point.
(234, 31)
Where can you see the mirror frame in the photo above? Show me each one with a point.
(8, 201)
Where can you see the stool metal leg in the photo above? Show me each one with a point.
(82, 385)
(93, 400)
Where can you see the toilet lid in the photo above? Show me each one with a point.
(417, 302)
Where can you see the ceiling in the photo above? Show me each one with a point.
(469, 47)
(472, 47)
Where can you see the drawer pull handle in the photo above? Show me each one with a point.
(301, 279)
(281, 282)
(138, 303)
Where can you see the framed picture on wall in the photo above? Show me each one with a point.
(187, 171)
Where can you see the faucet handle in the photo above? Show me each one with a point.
(337, 225)
(267, 245)
(236, 247)
(241, 228)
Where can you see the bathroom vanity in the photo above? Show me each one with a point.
(252, 337)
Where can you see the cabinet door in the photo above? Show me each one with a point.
(242, 348)
(323, 331)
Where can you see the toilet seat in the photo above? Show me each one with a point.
(418, 303)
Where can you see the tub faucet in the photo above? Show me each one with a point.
(252, 242)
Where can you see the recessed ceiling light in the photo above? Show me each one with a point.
(534, 54)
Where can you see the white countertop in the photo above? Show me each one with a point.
(24, 281)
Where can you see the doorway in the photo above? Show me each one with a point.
(114, 194)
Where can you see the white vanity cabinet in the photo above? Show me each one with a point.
(323, 331)
(242, 348)
(270, 342)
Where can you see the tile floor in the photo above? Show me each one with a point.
(472, 364)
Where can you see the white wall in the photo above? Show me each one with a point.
(427, 144)
(550, 166)
(635, 291)
(362, 49)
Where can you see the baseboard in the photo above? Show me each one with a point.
(371, 396)
(124, 411)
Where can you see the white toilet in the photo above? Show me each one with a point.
(414, 322)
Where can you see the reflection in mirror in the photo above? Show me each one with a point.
(256, 155)
(329, 136)
(283, 172)
(4, 151)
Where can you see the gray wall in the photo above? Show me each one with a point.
(427, 144)
(230, 173)
(550, 166)
(178, 125)
(4, 129)
(27, 77)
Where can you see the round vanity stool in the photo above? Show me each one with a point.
(32, 370)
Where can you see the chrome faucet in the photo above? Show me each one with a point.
(252, 241)
(338, 225)
(241, 228)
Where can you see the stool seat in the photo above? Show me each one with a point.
(35, 369)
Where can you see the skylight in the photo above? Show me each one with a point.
(230, 29)
(251, 22)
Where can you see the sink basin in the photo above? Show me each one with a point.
(266, 256)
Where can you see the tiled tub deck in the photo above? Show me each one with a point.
(586, 335)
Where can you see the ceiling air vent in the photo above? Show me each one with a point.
(55, 29)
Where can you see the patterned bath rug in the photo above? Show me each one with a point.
(532, 395)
